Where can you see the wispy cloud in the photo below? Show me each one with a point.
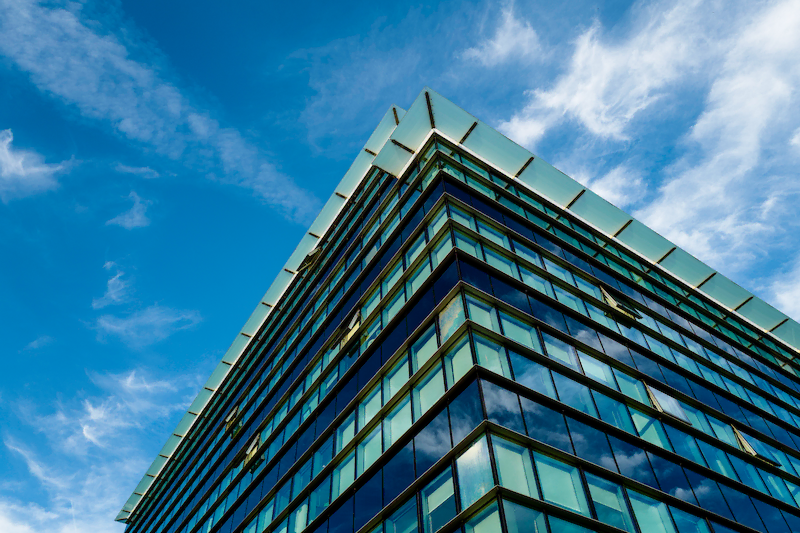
(86, 453)
(513, 39)
(145, 172)
(135, 217)
(117, 291)
(39, 342)
(119, 83)
(23, 172)
(147, 326)
(622, 186)
(723, 197)
(608, 83)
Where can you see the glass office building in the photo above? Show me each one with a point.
(468, 340)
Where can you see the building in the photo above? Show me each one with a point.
(468, 340)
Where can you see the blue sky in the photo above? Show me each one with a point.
(159, 161)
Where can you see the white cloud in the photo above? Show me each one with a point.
(39, 342)
(23, 172)
(117, 290)
(86, 453)
(622, 186)
(145, 172)
(721, 201)
(783, 290)
(85, 65)
(136, 217)
(512, 39)
(608, 83)
(796, 138)
(147, 326)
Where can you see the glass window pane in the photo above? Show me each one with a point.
(574, 394)
(650, 429)
(614, 412)
(531, 374)
(597, 370)
(561, 484)
(369, 450)
(486, 521)
(519, 331)
(397, 422)
(369, 406)
(483, 313)
(562, 526)
(458, 360)
(492, 356)
(396, 378)
(688, 523)
(404, 520)
(652, 515)
(468, 244)
(493, 234)
(514, 467)
(521, 519)
(423, 348)
(546, 425)
(451, 317)
(474, 472)
(345, 432)
(438, 502)
(462, 217)
(500, 262)
(609, 503)
(428, 391)
(344, 475)
(560, 351)
(668, 404)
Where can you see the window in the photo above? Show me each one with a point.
(620, 306)
(482, 313)
(250, 459)
(428, 390)
(561, 484)
(754, 447)
(451, 317)
(474, 472)
(652, 515)
(486, 521)
(609, 503)
(232, 425)
(667, 404)
(514, 467)
(438, 502)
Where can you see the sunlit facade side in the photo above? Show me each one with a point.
(461, 353)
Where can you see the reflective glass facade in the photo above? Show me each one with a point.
(459, 353)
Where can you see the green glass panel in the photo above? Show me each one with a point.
(514, 467)
(725, 291)
(415, 125)
(384, 129)
(497, 148)
(599, 212)
(561, 484)
(550, 182)
(645, 241)
(474, 472)
(392, 159)
(687, 267)
(761, 313)
(448, 117)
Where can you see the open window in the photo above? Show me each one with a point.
(252, 458)
(666, 404)
(350, 328)
(232, 425)
(620, 306)
(755, 447)
(310, 260)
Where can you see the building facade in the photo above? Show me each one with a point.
(468, 340)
